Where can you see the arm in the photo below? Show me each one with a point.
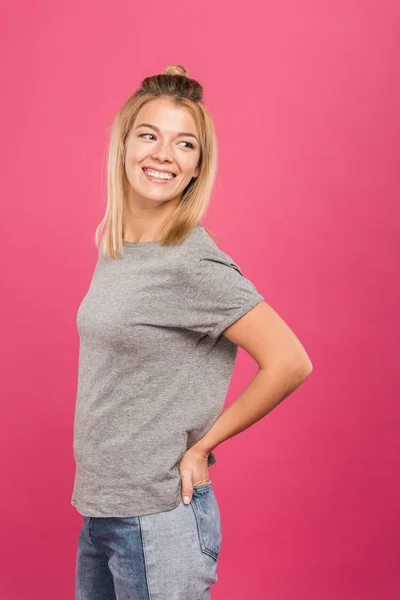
(283, 366)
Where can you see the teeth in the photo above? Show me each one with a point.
(158, 174)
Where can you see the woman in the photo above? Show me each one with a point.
(159, 332)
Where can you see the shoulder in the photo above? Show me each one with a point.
(200, 249)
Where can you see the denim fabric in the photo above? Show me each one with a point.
(171, 555)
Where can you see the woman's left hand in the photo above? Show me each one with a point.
(193, 468)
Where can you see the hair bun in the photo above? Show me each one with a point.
(173, 81)
(176, 70)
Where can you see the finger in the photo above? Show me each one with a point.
(187, 488)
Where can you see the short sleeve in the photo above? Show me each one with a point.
(218, 295)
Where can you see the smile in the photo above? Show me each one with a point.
(158, 176)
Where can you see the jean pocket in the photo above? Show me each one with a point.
(208, 518)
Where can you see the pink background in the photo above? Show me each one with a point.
(305, 98)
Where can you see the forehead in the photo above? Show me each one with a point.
(167, 116)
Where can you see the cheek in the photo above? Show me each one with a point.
(189, 164)
(135, 153)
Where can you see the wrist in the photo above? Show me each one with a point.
(202, 448)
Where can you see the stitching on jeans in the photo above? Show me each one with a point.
(145, 559)
(91, 538)
(200, 538)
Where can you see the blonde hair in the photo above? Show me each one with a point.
(175, 84)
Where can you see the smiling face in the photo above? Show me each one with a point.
(163, 140)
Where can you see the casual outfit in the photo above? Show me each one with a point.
(153, 375)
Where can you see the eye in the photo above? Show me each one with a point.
(190, 145)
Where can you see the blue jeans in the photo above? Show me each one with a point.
(171, 555)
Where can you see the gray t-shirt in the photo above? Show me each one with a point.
(154, 369)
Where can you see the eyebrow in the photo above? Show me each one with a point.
(180, 133)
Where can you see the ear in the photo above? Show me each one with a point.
(196, 172)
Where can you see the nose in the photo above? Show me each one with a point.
(162, 152)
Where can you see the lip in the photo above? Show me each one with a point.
(158, 169)
(158, 181)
